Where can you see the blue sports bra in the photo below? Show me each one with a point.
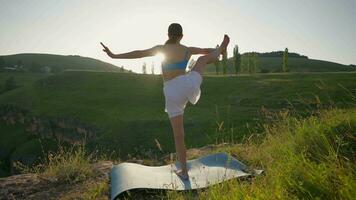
(177, 65)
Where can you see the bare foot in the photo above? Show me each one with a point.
(181, 174)
(224, 44)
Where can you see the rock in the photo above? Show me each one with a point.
(33, 186)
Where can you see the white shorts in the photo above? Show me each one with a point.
(179, 90)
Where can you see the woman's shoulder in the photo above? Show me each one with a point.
(170, 47)
(173, 45)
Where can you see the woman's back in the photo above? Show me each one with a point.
(175, 53)
(176, 60)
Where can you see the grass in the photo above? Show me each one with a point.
(95, 191)
(311, 158)
(67, 165)
(21, 79)
(274, 64)
(129, 107)
(303, 158)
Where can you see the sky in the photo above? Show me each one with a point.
(320, 29)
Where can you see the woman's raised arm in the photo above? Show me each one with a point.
(133, 54)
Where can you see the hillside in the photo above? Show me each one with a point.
(124, 112)
(59, 63)
(271, 64)
(302, 158)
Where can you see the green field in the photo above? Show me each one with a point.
(59, 63)
(129, 108)
(274, 64)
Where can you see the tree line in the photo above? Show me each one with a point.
(250, 62)
(247, 63)
(242, 63)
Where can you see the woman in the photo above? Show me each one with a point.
(179, 86)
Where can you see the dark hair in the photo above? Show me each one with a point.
(175, 31)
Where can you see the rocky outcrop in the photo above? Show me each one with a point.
(63, 129)
(37, 187)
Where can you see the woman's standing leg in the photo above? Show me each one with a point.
(177, 121)
(178, 131)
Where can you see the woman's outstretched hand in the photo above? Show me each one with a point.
(107, 50)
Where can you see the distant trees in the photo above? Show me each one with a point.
(250, 63)
(2, 62)
(152, 68)
(122, 69)
(285, 61)
(217, 63)
(237, 59)
(224, 62)
(280, 54)
(191, 63)
(256, 63)
(144, 70)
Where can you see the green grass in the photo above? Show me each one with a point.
(311, 158)
(21, 79)
(67, 165)
(306, 152)
(274, 64)
(130, 107)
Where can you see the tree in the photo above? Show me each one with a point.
(144, 70)
(224, 62)
(237, 59)
(256, 63)
(285, 61)
(2, 62)
(191, 63)
(248, 66)
(122, 69)
(250, 63)
(152, 68)
(217, 63)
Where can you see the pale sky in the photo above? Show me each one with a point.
(320, 29)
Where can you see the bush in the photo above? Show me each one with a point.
(67, 165)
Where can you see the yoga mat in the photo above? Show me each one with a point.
(203, 172)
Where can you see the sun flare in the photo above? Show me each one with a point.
(159, 58)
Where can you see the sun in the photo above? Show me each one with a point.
(159, 58)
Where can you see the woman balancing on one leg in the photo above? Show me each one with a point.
(179, 86)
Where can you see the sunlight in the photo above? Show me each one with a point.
(157, 62)
(159, 58)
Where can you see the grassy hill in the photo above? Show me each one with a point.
(59, 63)
(296, 64)
(129, 108)
(310, 158)
(302, 158)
